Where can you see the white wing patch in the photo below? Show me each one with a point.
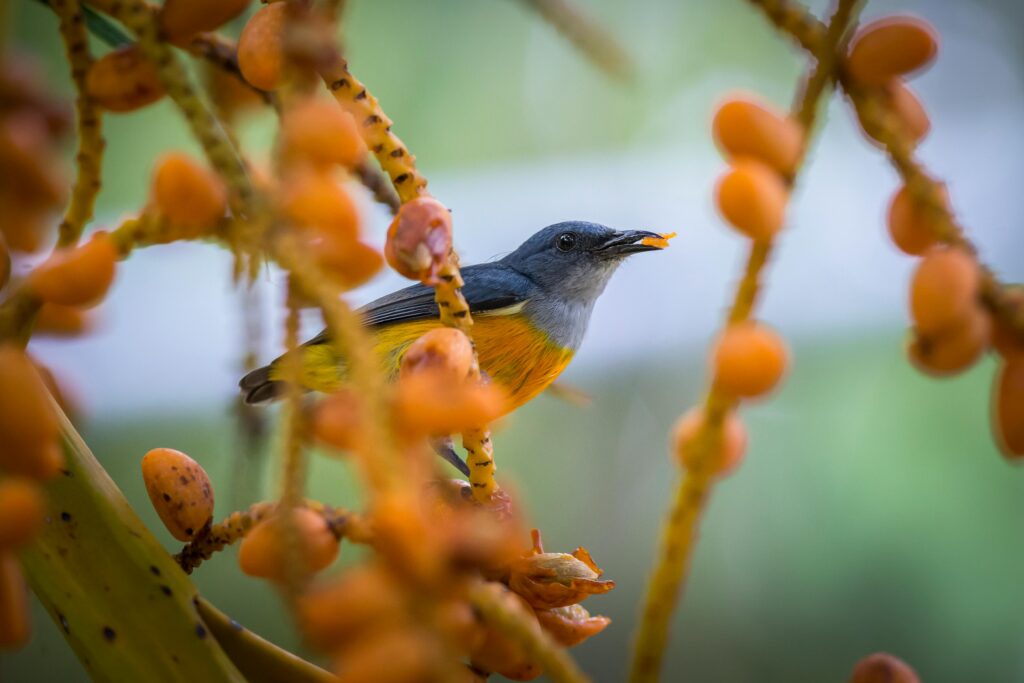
(507, 310)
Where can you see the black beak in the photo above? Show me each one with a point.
(625, 243)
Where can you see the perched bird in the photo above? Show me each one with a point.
(530, 311)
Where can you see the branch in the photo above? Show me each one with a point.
(678, 537)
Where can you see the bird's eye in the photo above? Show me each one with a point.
(566, 241)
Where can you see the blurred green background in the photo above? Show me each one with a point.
(873, 511)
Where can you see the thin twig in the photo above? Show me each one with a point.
(594, 41)
(90, 132)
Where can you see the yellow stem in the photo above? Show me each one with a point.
(679, 533)
(391, 153)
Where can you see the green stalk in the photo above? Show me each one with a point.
(125, 607)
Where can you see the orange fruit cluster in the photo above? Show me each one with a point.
(318, 137)
(29, 452)
(124, 80)
(191, 199)
(266, 550)
(180, 491)
(952, 329)
(32, 184)
(881, 55)
(763, 146)
(420, 239)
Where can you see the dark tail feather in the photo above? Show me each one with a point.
(259, 388)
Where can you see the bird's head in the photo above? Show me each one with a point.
(575, 259)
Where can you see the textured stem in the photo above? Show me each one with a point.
(391, 153)
(89, 157)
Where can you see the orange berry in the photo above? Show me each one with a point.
(952, 350)
(261, 46)
(749, 360)
(14, 610)
(28, 423)
(338, 421)
(314, 200)
(22, 509)
(944, 289)
(189, 195)
(1008, 407)
(182, 19)
(427, 403)
(321, 132)
(350, 263)
(724, 456)
(124, 80)
(361, 598)
(396, 655)
(912, 227)
(889, 48)
(745, 127)
(444, 350)
(263, 550)
(179, 490)
(883, 668)
(61, 321)
(419, 239)
(907, 108)
(752, 197)
(78, 276)
(1006, 340)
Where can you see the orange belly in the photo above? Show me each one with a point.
(514, 354)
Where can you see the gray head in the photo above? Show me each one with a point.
(575, 259)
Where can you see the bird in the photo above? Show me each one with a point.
(530, 312)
